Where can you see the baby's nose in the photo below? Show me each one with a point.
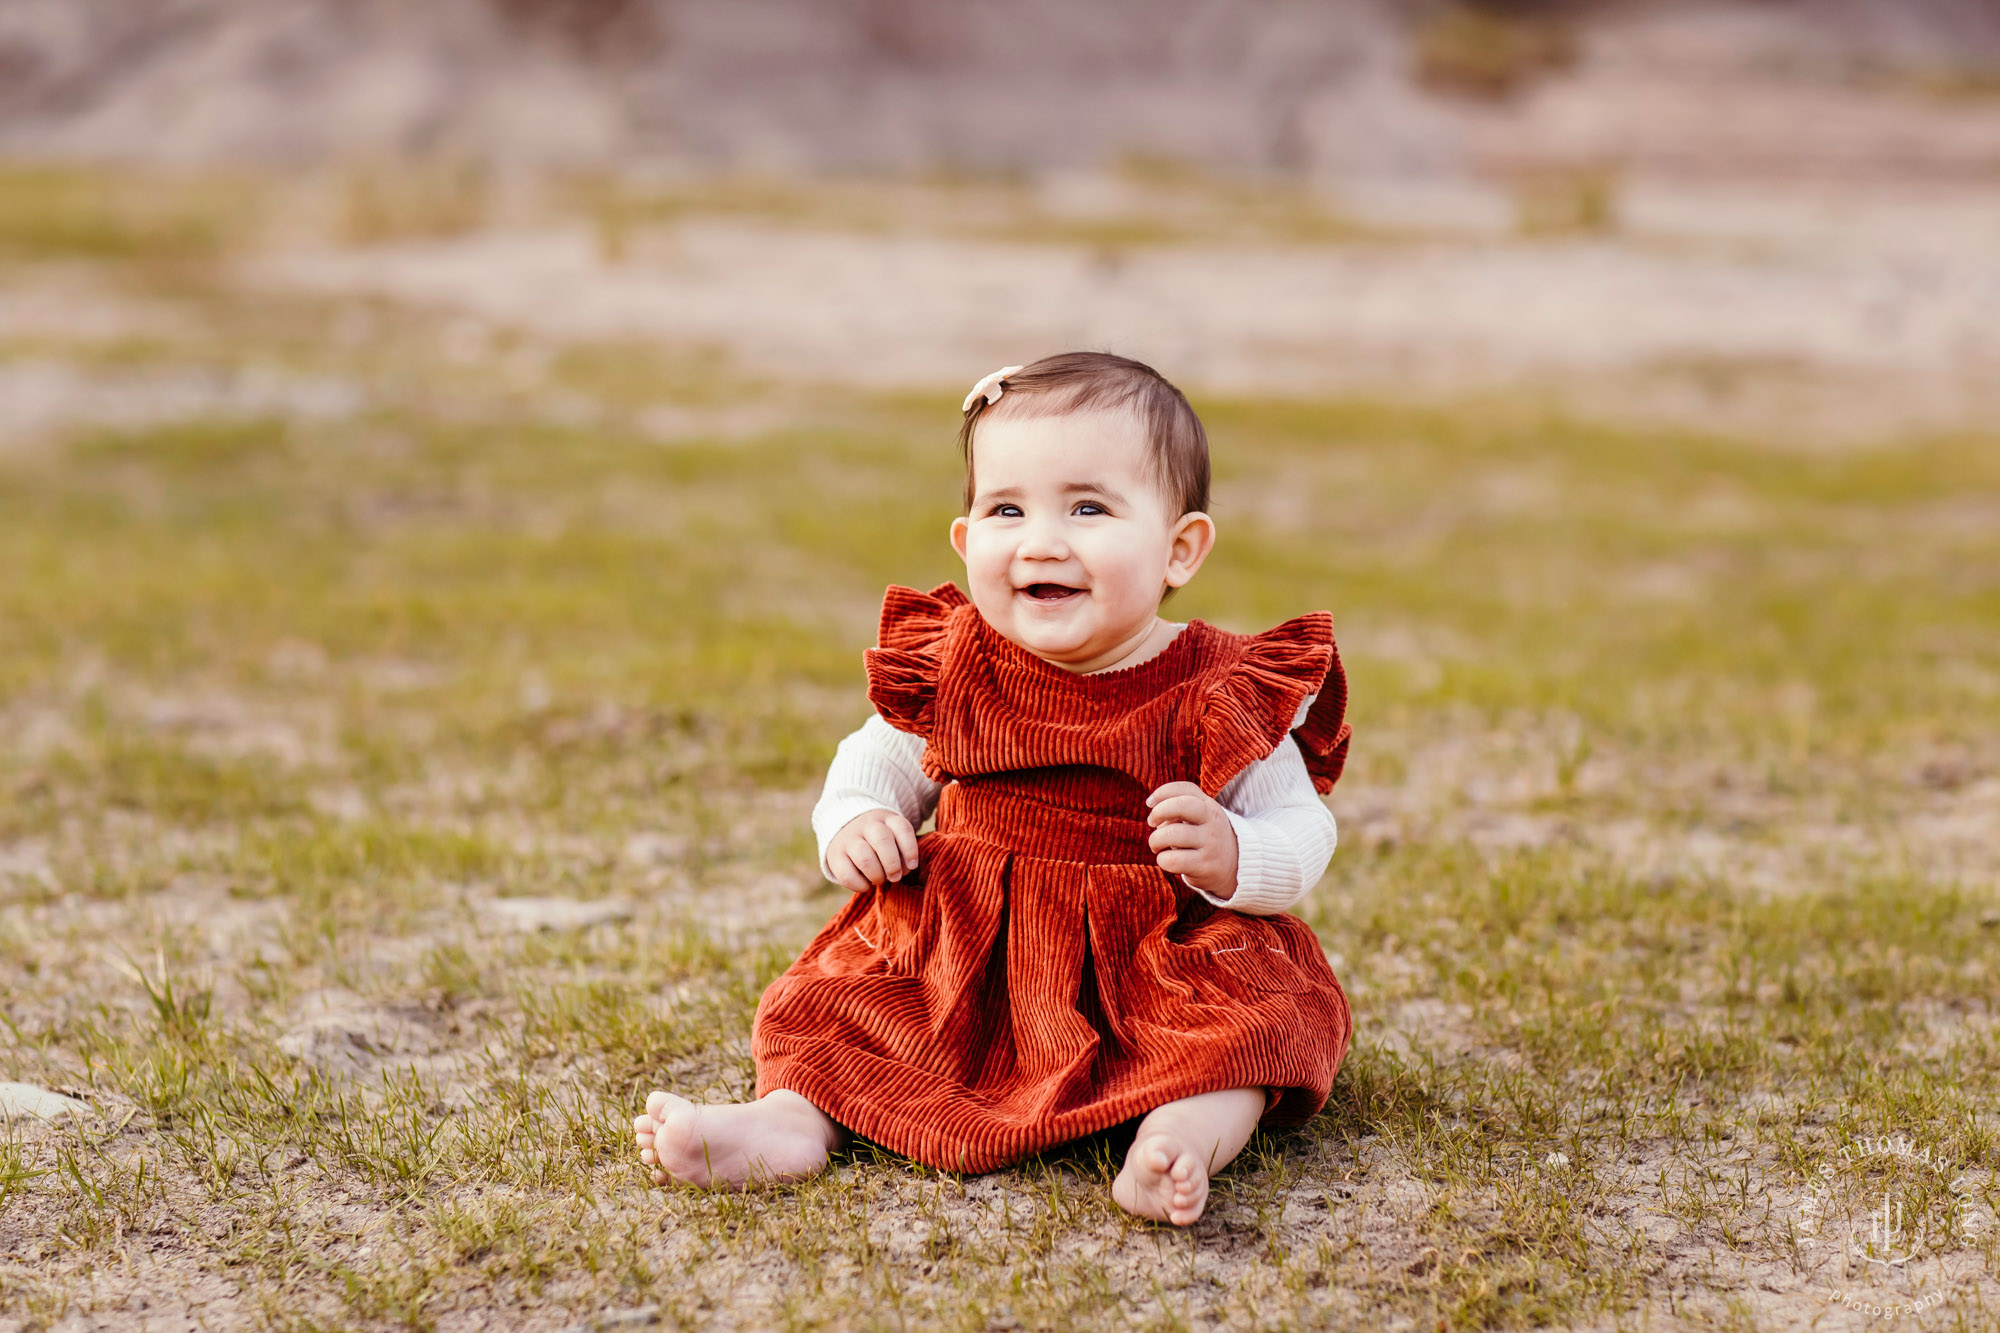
(1042, 542)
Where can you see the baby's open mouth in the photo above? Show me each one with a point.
(1051, 592)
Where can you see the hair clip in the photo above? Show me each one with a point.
(989, 388)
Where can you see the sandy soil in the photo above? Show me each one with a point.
(1857, 312)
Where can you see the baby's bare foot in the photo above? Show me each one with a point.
(1178, 1145)
(1162, 1180)
(777, 1138)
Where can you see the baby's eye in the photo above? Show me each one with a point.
(1005, 511)
(1090, 507)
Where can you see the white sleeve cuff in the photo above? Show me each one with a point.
(874, 768)
(1285, 835)
(1268, 875)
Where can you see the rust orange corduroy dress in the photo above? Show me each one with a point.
(1043, 978)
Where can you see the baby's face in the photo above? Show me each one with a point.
(1070, 542)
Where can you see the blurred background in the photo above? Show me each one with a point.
(405, 405)
(395, 399)
(1259, 195)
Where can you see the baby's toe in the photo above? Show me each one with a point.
(656, 1103)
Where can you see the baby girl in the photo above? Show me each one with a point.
(1095, 932)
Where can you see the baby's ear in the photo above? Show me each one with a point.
(1193, 539)
(958, 530)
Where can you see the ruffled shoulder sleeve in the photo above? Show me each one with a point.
(1253, 704)
(903, 668)
(1323, 736)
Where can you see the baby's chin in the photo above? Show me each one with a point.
(1061, 649)
(1064, 644)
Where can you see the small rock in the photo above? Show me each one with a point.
(1556, 1159)
(337, 1032)
(1945, 774)
(28, 860)
(338, 1043)
(636, 1316)
(24, 1100)
(526, 914)
(651, 849)
(346, 804)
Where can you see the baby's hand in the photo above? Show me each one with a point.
(875, 847)
(1193, 838)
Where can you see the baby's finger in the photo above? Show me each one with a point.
(906, 839)
(883, 843)
(1193, 809)
(1175, 835)
(1179, 861)
(845, 873)
(863, 856)
(1172, 789)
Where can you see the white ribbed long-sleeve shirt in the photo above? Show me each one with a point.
(1284, 834)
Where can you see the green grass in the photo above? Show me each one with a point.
(161, 218)
(1148, 204)
(1667, 869)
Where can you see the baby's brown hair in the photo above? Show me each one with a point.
(1068, 382)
